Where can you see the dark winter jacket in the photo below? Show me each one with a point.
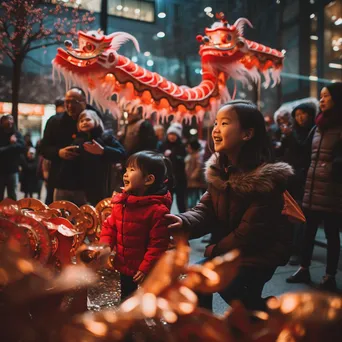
(296, 151)
(10, 154)
(244, 211)
(323, 188)
(60, 131)
(28, 175)
(137, 230)
(177, 157)
(96, 169)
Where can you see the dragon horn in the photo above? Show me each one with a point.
(119, 38)
(240, 23)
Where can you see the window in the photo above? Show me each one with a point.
(132, 9)
(89, 5)
(313, 54)
(333, 41)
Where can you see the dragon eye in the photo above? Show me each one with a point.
(228, 37)
(89, 47)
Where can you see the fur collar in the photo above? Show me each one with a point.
(264, 179)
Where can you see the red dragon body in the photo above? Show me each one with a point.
(97, 67)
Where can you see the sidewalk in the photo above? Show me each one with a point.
(277, 285)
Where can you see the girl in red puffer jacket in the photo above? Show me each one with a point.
(136, 229)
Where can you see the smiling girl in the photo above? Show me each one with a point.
(137, 229)
(243, 205)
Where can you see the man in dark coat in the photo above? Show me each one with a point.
(60, 131)
(11, 147)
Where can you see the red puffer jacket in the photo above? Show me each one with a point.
(137, 230)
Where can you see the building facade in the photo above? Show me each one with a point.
(309, 31)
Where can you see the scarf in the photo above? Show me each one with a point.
(327, 119)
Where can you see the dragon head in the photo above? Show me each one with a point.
(91, 46)
(224, 40)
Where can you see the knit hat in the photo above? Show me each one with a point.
(175, 128)
(32, 150)
(306, 108)
(335, 90)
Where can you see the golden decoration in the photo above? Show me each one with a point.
(92, 222)
(104, 209)
(32, 204)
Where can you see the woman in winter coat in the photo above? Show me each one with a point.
(242, 207)
(137, 229)
(322, 200)
(174, 149)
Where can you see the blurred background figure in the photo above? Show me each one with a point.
(11, 147)
(28, 175)
(139, 134)
(283, 123)
(271, 129)
(174, 149)
(159, 130)
(295, 149)
(194, 172)
(28, 141)
(59, 104)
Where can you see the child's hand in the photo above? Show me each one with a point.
(94, 148)
(68, 152)
(175, 222)
(139, 277)
(13, 139)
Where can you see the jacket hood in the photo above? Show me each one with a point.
(143, 200)
(263, 179)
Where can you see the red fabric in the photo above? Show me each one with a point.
(137, 230)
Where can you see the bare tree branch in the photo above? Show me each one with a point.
(42, 46)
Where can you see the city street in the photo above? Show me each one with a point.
(275, 287)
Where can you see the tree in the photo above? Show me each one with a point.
(27, 25)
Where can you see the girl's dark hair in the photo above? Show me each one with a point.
(258, 150)
(154, 163)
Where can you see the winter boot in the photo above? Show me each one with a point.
(301, 276)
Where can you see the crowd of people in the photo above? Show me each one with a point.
(237, 192)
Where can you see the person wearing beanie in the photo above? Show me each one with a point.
(174, 149)
(322, 202)
(175, 128)
(295, 149)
